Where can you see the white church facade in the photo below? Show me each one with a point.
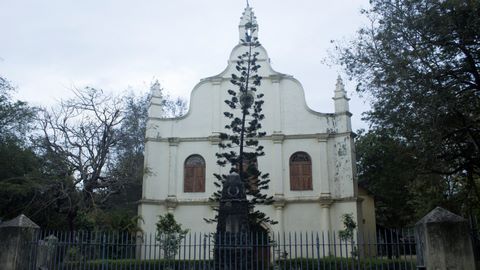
(180, 154)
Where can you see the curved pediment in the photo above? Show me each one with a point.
(284, 97)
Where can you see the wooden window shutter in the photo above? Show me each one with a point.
(188, 179)
(194, 174)
(300, 171)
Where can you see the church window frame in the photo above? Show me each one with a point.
(194, 170)
(300, 166)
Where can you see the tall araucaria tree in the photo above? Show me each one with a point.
(240, 143)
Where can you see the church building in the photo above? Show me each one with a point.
(309, 155)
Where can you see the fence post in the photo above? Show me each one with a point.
(46, 252)
(443, 241)
(15, 235)
(104, 246)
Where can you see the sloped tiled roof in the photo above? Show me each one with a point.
(20, 221)
(440, 215)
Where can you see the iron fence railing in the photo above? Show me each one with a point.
(386, 249)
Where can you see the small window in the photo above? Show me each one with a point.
(300, 171)
(194, 174)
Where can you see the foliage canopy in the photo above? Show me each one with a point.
(419, 62)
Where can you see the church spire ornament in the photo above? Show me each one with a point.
(248, 27)
(156, 107)
(340, 97)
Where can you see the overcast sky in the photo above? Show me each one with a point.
(47, 47)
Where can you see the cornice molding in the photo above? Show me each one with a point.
(276, 138)
(280, 201)
(173, 141)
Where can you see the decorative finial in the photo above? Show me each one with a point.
(340, 97)
(156, 89)
(248, 25)
(340, 86)
(155, 109)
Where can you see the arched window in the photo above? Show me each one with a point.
(194, 174)
(300, 171)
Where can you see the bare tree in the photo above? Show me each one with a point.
(80, 134)
(92, 149)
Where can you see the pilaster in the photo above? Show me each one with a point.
(277, 103)
(171, 203)
(325, 203)
(216, 110)
(277, 164)
(324, 172)
(172, 161)
(279, 205)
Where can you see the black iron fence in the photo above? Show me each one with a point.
(386, 249)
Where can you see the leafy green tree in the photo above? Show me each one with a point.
(28, 184)
(348, 233)
(16, 117)
(170, 235)
(19, 165)
(240, 145)
(388, 168)
(18, 175)
(419, 62)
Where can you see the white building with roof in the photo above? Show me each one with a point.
(309, 155)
